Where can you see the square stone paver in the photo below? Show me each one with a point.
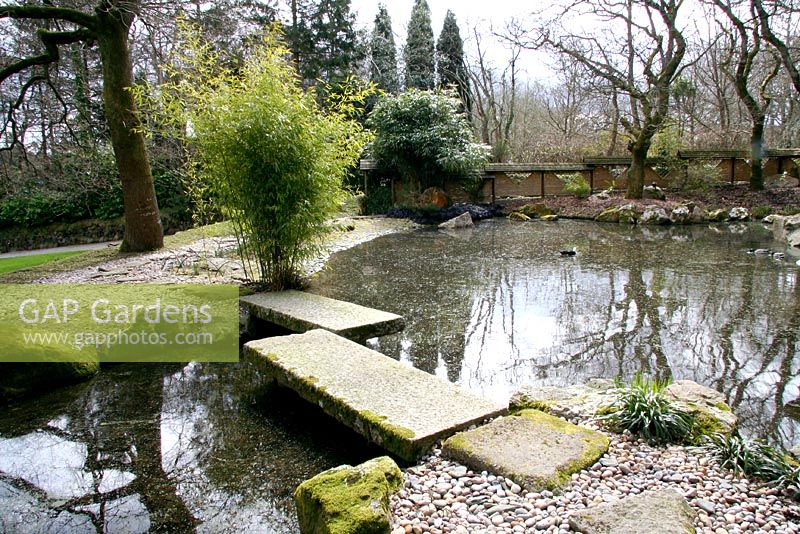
(536, 450)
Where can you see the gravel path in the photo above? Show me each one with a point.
(215, 260)
(443, 496)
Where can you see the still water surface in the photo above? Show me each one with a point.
(498, 307)
(172, 448)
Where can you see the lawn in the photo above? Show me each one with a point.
(8, 265)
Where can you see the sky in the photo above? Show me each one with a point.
(469, 13)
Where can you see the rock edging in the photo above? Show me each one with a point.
(712, 414)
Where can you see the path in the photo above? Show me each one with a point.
(68, 248)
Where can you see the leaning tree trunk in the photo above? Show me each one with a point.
(143, 230)
(636, 171)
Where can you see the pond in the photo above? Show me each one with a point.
(170, 448)
(163, 448)
(498, 307)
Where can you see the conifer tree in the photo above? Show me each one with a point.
(323, 40)
(383, 64)
(450, 66)
(419, 51)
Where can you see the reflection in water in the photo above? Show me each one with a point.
(163, 449)
(499, 307)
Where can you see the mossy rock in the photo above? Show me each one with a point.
(711, 413)
(583, 401)
(608, 215)
(535, 450)
(23, 379)
(620, 214)
(536, 210)
(628, 215)
(717, 215)
(518, 216)
(349, 500)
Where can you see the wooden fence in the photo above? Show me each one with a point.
(503, 180)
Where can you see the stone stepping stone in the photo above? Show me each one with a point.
(658, 512)
(536, 450)
(300, 312)
(402, 409)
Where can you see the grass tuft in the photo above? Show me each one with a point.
(756, 459)
(643, 409)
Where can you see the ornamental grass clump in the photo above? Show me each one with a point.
(756, 459)
(643, 409)
(273, 159)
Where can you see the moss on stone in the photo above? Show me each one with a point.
(606, 410)
(705, 425)
(459, 444)
(717, 215)
(596, 445)
(536, 210)
(608, 215)
(529, 404)
(517, 216)
(380, 421)
(722, 407)
(349, 500)
(529, 448)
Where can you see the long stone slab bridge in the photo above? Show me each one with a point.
(396, 406)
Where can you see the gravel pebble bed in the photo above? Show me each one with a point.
(441, 496)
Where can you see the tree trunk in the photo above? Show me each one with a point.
(612, 143)
(636, 171)
(143, 230)
(756, 154)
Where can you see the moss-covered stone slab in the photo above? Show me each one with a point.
(661, 512)
(349, 500)
(400, 408)
(536, 450)
(300, 312)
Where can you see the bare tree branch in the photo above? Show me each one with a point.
(782, 48)
(86, 21)
(51, 41)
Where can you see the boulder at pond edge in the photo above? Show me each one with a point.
(462, 221)
(348, 499)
